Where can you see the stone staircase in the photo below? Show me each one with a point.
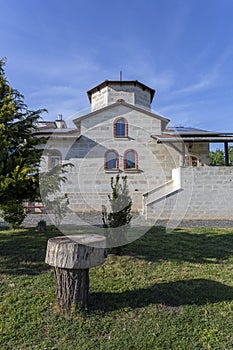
(163, 191)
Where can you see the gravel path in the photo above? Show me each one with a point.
(202, 223)
(95, 219)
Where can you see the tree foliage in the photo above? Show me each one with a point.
(120, 202)
(50, 190)
(217, 157)
(20, 152)
(118, 219)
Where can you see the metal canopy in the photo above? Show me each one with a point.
(183, 138)
(225, 138)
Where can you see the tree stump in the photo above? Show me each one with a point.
(71, 257)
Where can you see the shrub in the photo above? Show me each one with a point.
(13, 213)
(120, 215)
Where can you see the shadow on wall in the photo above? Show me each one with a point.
(85, 148)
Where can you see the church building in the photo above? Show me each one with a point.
(168, 168)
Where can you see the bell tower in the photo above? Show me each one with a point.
(111, 91)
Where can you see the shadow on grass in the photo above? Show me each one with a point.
(205, 246)
(23, 251)
(170, 295)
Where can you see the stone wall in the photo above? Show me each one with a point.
(206, 193)
(110, 94)
(88, 182)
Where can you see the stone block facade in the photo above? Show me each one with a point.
(170, 176)
(205, 193)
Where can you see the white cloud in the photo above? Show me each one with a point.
(210, 79)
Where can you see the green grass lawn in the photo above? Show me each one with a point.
(165, 291)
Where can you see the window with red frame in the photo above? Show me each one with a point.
(120, 127)
(131, 159)
(111, 160)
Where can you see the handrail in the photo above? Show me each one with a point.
(165, 195)
(158, 188)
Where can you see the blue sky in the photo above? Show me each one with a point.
(57, 50)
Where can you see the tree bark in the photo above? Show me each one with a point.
(72, 287)
(71, 257)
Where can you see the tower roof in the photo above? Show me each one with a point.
(120, 82)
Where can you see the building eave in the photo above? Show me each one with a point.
(121, 103)
(120, 82)
(57, 133)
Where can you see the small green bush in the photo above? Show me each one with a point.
(13, 213)
(41, 226)
(120, 202)
(120, 215)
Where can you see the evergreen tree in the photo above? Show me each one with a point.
(118, 220)
(121, 203)
(19, 152)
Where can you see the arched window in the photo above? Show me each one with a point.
(54, 158)
(131, 159)
(120, 127)
(111, 160)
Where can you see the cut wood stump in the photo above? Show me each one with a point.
(71, 257)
